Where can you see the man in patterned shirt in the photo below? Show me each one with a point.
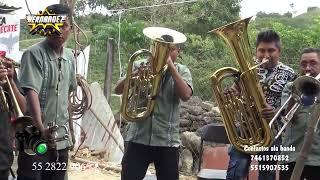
(273, 77)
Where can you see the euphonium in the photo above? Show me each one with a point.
(140, 90)
(305, 91)
(245, 127)
(21, 121)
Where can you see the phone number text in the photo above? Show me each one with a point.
(52, 166)
(269, 157)
(269, 167)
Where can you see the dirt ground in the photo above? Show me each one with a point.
(85, 167)
(98, 175)
(93, 174)
(88, 171)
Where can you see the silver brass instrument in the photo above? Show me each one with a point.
(145, 86)
(55, 129)
(305, 92)
(241, 114)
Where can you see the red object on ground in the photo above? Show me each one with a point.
(218, 158)
(2, 53)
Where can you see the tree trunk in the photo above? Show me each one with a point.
(69, 3)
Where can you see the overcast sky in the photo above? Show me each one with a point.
(248, 7)
(251, 7)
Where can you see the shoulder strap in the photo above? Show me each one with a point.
(43, 92)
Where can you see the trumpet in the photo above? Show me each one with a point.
(305, 92)
(21, 121)
(15, 64)
(3, 102)
(29, 138)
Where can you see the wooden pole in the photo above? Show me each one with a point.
(108, 73)
(108, 130)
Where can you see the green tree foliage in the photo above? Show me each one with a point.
(204, 52)
(195, 17)
(301, 21)
(130, 33)
(293, 37)
(131, 40)
(204, 48)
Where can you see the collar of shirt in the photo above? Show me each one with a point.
(52, 55)
(269, 69)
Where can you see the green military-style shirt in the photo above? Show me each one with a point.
(295, 133)
(162, 127)
(40, 72)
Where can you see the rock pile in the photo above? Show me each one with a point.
(194, 114)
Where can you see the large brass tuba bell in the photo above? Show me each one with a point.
(140, 90)
(245, 127)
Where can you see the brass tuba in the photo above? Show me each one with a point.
(21, 121)
(245, 127)
(140, 90)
